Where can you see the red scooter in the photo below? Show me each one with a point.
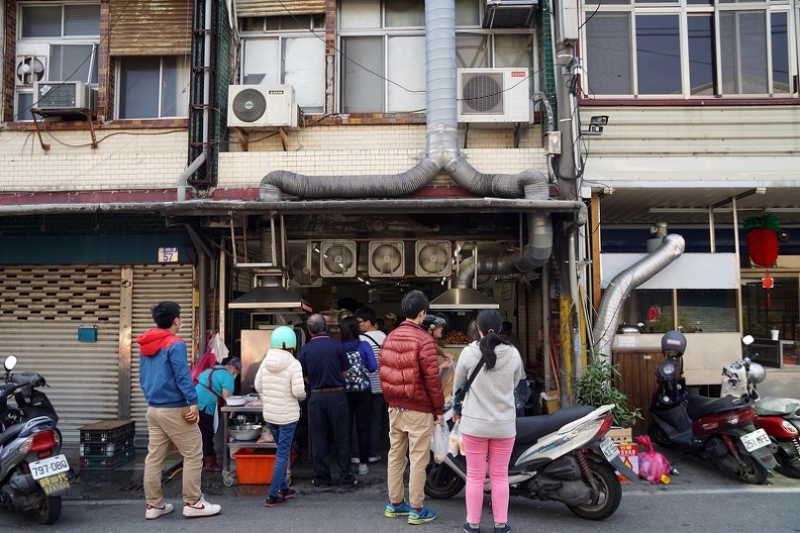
(779, 417)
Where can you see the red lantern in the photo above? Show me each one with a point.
(762, 245)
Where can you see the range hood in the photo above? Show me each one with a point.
(271, 301)
(462, 300)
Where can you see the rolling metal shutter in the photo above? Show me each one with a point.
(261, 8)
(42, 309)
(150, 27)
(153, 284)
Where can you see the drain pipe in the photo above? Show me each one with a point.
(626, 281)
(183, 179)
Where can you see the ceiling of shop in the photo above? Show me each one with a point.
(682, 206)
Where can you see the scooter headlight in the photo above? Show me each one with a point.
(789, 427)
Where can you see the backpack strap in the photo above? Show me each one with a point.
(210, 387)
(372, 340)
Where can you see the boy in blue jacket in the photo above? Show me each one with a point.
(172, 414)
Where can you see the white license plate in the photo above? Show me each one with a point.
(609, 449)
(48, 467)
(756, 439)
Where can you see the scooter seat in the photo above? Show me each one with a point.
(699, 406)
(11, 433)
(531, 428)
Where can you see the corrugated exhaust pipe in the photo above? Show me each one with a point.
(626, 281)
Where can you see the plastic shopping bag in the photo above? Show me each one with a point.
(454, 445)
(653, 466)
(441, 436)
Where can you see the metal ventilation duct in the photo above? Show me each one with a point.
(271, 301)
(462, 300)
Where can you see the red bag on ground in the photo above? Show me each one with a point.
(652, 465)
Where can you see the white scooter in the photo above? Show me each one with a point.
(562, 457)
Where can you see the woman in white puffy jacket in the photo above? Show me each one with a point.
(279, 380)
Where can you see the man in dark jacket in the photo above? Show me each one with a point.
(409, 374)
(172, 414)
(325, 365)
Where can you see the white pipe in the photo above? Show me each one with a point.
(183, 179)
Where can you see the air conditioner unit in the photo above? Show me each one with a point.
(304, 266)
(31, 64)
(433, 259)
(64, 95)
(337, 259)
(386, 259)
(258, 106)
(499, 95)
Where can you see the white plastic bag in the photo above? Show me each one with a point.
(441, 436)
(454, 445)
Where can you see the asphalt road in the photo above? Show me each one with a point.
(697, 499)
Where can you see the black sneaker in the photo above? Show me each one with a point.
(288, 493)
(274, 501)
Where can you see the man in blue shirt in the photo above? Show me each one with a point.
(325, 365)
(213, 387)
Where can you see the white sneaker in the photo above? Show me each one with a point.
(201, 508)
(154, 512)
(355, 460)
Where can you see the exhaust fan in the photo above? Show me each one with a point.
(386, 259)
(433, 259)
(305, 268)
(337, 259)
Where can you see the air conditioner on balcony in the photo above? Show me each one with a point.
(63, 95)
(494, 95)
(258, 106)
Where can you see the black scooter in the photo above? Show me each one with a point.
(720, 431)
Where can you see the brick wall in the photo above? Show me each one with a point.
(133, 159)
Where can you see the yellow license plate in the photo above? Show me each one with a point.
(54, 483)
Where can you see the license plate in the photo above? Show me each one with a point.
(51, 484)
(48, 467)
(609, 449)
(756, 439)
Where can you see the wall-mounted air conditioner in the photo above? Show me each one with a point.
(433, 259)
(259, 106)
(494, 95)
(64, 95)
(386, 259)
(337, 259)
(31, 64)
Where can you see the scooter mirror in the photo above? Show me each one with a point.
(10, 362)
(748, 340)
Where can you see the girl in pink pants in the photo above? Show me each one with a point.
(498, 452)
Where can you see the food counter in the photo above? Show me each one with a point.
(230, 445)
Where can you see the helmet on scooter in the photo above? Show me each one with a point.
(283, 338)
(673, 340)
(756, 374)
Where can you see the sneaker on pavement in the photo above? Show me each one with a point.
(505, 528)
(274, 501)
(420, 516)
(393, 511)
(154, 512)
(469, 529)
(355, 460)
(374, 458)
(288, 493)
(200, 508)
(363, 469)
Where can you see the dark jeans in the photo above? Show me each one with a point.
(377, 414)
(360, 404)
(206, 424)
(328, 412)
(283, 436)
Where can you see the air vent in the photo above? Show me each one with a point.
(337, 259)
(257, 106)
(494, 96)
(433, 258)
(386, 259)
(304, 263)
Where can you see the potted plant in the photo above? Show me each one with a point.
(596, 388)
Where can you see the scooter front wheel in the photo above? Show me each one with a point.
(50, 510)
(606, 499)
(441, 482)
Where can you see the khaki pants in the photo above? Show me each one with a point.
(165, 425)
(409, 431)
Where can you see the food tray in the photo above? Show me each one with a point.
(105, 449)
(108, 463)
(107, 431)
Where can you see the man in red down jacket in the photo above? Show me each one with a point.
(409, 373)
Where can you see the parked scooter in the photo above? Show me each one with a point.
(33, 476)
(779, 417)
(562, 457)
(720, 431)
